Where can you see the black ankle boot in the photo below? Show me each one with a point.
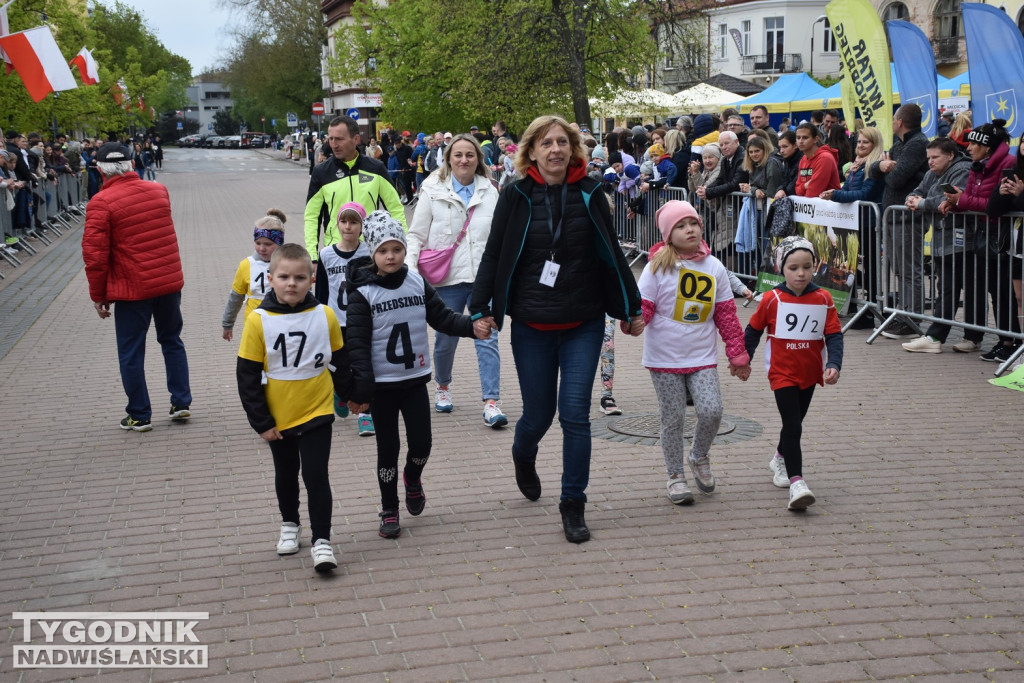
(527, 479)
(576, 530)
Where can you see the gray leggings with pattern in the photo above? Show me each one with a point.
(707, 402)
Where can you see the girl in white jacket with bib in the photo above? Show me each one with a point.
(687, 302)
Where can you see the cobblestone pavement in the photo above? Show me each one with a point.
(909, 565)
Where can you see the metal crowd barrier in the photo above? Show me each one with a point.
(638, 234)
(968, 253)
(864, 299)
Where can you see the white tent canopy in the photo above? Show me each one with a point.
(704, 99)
(635, 103)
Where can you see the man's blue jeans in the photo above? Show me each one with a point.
(131, 323)
(456, 297)
(557, 369)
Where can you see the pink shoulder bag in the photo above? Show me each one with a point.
(434, 264)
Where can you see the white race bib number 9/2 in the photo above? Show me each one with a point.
(800, 321)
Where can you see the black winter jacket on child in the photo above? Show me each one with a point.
(359, 327)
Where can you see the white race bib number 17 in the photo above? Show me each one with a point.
(800, 321)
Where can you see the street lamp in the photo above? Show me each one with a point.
(813, 24)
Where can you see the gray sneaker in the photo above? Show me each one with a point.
(702, 474)
(678, 492)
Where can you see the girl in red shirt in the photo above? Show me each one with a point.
(802, 325)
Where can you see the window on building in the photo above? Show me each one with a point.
(745, 30)
(828, 41)
(947, 19)
(774, 37)
(723, 35)
(897, 11)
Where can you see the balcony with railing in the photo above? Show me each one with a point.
(947, 50)
(781, 63)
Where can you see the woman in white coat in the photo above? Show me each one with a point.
(459, 195)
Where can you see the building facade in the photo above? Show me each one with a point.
(207, 95)
(342, 98)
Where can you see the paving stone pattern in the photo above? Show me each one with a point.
(908, 566)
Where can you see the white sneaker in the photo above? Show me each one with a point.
(443, 400)
(800, 497)
(678, 492)
(778, 467)
(923, 344)
(493, 415)
(323, 556)
(966, 346)
(288, 544)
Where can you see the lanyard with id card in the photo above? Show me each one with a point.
(550, 272)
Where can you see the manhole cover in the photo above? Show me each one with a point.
(648, 425)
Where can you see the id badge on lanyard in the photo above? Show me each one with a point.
(549, 274)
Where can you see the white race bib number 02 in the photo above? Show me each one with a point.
(800, 321)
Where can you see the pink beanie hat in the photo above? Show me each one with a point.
(353, 206)
(669, 215)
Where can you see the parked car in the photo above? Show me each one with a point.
(233, 141)
(212, 141)
(190, 141)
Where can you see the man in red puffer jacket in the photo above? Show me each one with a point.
(131, 259)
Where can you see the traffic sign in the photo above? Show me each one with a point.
(293, 119)
(273, 123)
(263, 119)
(353, 114)
(318, 108)
(180, 126)
(209, 126)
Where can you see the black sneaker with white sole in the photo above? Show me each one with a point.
(1000, 353)
(180, 413)
(131, 424)
(900, 330)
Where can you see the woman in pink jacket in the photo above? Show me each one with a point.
(986, 268)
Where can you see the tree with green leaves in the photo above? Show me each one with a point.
(124, 48)
(274, 65)
(449, 63)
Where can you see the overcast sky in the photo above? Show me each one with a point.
(195, 29)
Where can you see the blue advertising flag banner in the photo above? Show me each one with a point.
(995, 55)
(914, 62)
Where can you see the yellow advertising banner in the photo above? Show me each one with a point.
(864, 54)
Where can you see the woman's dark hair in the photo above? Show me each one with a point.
(611, 142)
(789, 136)
(840, 142)
(944, 145)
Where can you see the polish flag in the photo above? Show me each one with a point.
(87, 67)
(37, 59)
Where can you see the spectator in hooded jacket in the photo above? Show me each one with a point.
(705, 131)
(904, 168)
(665, 171)
(988, 149)
(132, 261)
(946, 165)
(818, 169)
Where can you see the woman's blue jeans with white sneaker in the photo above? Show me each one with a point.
(556, 369)
(131, 325)
(456, 297)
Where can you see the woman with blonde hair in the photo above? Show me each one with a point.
(553, 264)
(962, 125)
(455, 209)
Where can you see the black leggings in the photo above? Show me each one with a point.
(310, 449)
(793, 404)
(414, 406)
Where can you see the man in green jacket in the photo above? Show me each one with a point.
(346, 176)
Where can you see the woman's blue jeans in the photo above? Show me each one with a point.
(456, 297)
(556, 370)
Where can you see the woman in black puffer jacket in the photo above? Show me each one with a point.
(553, 264)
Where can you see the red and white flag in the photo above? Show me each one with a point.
(39, 62)
(87, 67)
(142, 104)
